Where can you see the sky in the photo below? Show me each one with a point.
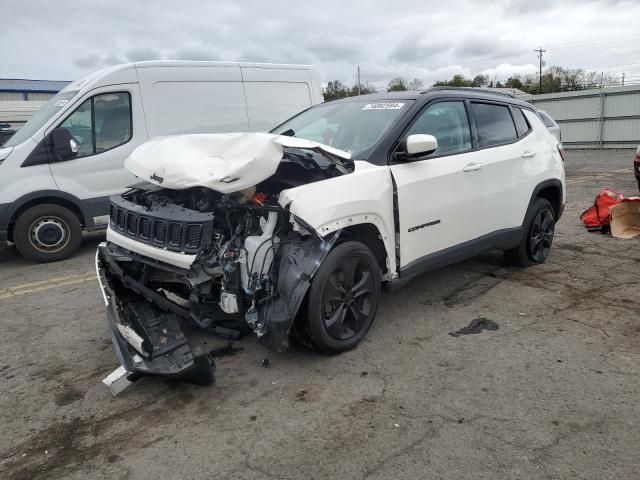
(424, 39)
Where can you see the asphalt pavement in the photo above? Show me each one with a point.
(549, 389)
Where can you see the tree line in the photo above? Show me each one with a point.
(554, 79)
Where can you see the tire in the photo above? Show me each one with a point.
(539, 229)
(342, 300)
(47, 233)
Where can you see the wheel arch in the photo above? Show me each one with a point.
(40, 197)
(369, 235)
(552, 191)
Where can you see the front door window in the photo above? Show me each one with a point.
(101, 123)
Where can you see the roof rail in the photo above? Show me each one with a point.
(473, 89)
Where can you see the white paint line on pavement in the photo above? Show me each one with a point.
(43, 285)
(602, 175)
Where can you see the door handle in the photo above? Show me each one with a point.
(473, 167)
(528, 154)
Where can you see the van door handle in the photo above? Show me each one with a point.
(528, 154)
(473, 167)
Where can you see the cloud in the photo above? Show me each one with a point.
(506, 70)
(138, 54)
(418, 47)
(424, 39)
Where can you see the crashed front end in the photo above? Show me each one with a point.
(183, 259)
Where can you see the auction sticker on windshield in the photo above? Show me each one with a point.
(383, 106)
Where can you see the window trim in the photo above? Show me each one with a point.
(93, 123)
(393, 147)
(415, 118)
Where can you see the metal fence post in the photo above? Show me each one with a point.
(602, 100)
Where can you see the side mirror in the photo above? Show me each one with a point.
(419, 145)
(63, 145)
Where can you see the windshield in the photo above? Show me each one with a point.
(41, 117)
(355, 126)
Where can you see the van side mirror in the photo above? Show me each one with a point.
(63, 145)
(419, 145)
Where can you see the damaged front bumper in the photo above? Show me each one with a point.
(147, 340)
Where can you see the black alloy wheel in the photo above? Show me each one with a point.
(347, 298)
(539, 227)
(541, 235)
(342, 300)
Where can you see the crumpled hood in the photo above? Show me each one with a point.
(225, 162)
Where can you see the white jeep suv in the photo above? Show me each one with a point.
(295, 231)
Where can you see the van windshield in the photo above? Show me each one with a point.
(354, 126)
(41, 117)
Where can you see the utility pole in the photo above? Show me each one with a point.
(540, 52)
(358, 79)
(623, 79)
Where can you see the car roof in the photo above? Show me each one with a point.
(424, 96)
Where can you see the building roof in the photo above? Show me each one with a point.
(23, 85)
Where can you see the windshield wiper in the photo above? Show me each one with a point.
(289, 133)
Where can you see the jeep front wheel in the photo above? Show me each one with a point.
(343, 298)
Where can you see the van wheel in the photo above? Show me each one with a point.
(343, 299)
(536, 243)
(47, 233)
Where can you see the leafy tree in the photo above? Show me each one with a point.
(559, 79)
(456, 81)
(335, 89)
(480, 80)
(398, 84)
(415, 84)
(365, 89)
(513, 82)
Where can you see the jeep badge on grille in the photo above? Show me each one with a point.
(157, 178)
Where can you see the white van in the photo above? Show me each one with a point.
(58, 171)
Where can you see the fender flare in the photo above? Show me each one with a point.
(554, 183)
(16, 205)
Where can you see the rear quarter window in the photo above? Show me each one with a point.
(494, 124)
(522, 126)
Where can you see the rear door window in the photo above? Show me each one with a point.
(494, 124)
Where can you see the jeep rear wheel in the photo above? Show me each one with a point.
(343, 299)
(47, 233)
(539, 230)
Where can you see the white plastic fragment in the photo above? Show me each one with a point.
(117, 380)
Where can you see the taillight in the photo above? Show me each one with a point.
(561, 150)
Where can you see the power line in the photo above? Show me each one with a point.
(593, 42)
